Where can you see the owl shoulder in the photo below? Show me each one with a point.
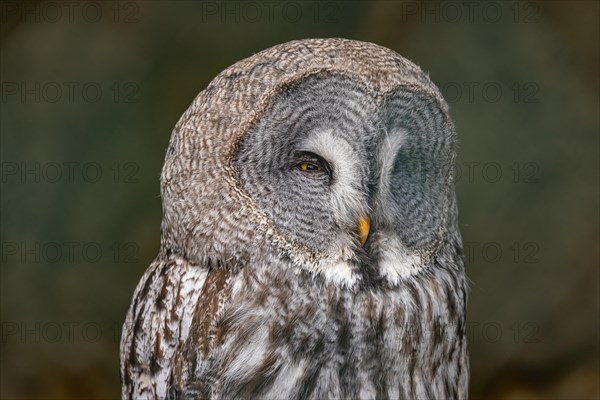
(157, 323)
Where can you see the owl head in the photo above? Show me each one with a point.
(334, 156)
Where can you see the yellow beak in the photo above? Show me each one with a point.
(364, 225)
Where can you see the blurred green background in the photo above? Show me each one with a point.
(91, 91)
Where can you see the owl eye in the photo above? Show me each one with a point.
(308, 166)
(312, 163)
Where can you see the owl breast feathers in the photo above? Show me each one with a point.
(310, 245)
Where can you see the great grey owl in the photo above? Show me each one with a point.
(310, 245)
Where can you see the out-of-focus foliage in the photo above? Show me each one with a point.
(91, 91)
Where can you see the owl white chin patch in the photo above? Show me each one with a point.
(396, 263)
(396, 268)
(338, 272)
